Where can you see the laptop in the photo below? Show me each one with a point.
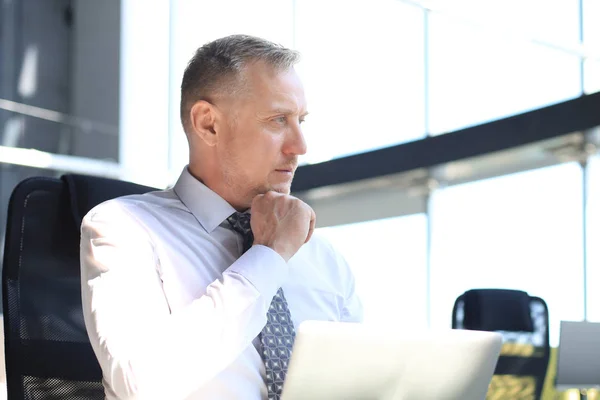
(349, 361)
(578, 365)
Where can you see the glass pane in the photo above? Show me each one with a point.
(388, 258)
(591, 24)
(591, 39)
(363, 70)
(591, 74)
(476, 77)
(195, 23)
(551, 21)
(521, 231)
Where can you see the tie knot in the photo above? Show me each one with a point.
(240, 222)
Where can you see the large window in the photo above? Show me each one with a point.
(551, 22)
(476, 76)
(522, 231)
(388, 258)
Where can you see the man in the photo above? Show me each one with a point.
(185, 296)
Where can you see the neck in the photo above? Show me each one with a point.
(217, 183)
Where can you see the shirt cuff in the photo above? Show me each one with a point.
(264, 268)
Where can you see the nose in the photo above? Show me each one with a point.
(295, 143)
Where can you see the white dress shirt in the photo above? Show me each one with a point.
(173, 308)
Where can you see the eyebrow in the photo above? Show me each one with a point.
(286, 111)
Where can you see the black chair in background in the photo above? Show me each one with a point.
(48, 354)
(523, 322)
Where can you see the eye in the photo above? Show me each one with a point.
(280, 120)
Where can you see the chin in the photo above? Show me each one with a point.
(281, 188)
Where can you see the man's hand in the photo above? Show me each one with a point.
(281, 222)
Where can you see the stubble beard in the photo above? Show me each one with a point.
(237, 184)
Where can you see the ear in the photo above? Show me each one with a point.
(202, 122)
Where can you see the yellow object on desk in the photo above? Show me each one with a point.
(511, 387)
(505, 387)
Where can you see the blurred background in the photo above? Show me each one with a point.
(452, 143)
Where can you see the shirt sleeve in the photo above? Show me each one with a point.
(145, 350)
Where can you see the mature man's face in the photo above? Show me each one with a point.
(262, 144)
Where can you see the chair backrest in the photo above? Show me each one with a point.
(524, 324)
(47, 351)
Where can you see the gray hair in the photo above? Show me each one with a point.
(216, 67)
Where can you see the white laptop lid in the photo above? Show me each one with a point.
(333, 360)
(578, 365)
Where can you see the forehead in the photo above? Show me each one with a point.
(270, 87)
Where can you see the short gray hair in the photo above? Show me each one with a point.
(216, 66)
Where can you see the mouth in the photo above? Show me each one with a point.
(286, 173)
(288, 170)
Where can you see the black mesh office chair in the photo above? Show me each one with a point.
(523, 322)
(48, 355)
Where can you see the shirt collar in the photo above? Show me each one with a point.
(208, 208)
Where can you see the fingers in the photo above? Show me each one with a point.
(282, 222)
(256, 200)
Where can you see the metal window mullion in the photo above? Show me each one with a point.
(426, 88)
(581, 57)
